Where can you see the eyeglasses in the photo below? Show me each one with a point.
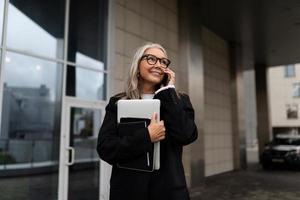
(152, 60)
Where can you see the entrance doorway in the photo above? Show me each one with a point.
(80, 167)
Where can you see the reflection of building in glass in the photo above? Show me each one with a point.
(284, 93)
(27, 131)
(83, 122)
(31, 113)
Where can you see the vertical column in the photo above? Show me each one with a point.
(110, 56)
(263, 122)
(191, 57)
(238, 108)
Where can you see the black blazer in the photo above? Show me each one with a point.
(166, 183)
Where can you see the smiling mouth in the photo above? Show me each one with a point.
(156, 73)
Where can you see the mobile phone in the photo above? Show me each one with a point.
(165, 80)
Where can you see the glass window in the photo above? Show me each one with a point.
(289, 70)
(36, 26)
(296, 90)
(86, 84)
(87, 29)
(30, 126)
(1, 19)
(86, 48)
(292, 111)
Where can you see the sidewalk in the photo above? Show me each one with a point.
(253, 184)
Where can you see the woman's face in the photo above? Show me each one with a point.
(152, 73)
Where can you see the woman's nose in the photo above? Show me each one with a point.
(159, 66)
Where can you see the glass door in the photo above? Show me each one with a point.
(80, 163)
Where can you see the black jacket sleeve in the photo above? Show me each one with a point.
(111, 147)
(178, 115)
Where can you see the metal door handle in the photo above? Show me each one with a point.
(71, 151)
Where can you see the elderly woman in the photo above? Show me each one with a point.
(150, 77)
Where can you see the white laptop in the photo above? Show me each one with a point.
(141, 108)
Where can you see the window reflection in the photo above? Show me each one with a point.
(30, 126)
(89, 83)
(87, 29)
(30, 130)
(35, 76)
(36, 27)
(84, 132)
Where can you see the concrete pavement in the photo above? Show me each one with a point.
(252, 184)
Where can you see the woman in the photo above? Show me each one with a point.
(150, 77)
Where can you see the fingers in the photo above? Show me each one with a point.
(162, 133)
(161, 138)
(156, 129)
(169, 71)
(159, 135)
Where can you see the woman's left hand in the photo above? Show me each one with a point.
(171, 76)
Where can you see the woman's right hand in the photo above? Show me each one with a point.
(157, 130)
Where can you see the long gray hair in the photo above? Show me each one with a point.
(132, 90)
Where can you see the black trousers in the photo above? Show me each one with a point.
(134, 185)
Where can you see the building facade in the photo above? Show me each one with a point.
(284, 97)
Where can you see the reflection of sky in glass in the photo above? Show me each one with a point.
(24, 71)
(1, 17)
(25, 34)
(89, 82)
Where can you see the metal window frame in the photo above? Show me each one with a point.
(3, 55)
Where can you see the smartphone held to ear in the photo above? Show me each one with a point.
(165, 80)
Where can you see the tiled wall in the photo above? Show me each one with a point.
(140, 21)
(218, 145)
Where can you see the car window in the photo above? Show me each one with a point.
(286, 141)
(295, 142)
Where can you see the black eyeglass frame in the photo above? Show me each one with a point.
(156, 59)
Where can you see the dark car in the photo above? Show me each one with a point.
(282, 150)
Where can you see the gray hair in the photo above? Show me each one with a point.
(131, 88)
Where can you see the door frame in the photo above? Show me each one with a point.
(66, 149)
